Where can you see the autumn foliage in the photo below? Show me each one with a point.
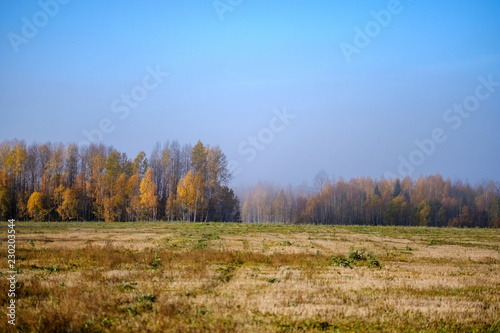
(428, 201)
(97, 183)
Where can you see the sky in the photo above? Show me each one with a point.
(285, 88)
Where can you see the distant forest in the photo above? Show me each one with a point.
(54, 182)
(428, 201)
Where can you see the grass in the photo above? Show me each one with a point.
(154, 277)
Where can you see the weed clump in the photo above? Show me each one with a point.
(356, 257)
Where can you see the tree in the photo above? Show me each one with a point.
(465, 217)
(424, 213)
(140, 164)
(148, 195)
(320, 180)
(72, 157)
(229, 205)
(155, 162)
(96, 184)
(134, 195)
(4, 203)
(224, 206)
(4, 195)
(68, 210)
(191, 193)
(397, 188)
(115, 206)
(113, 166)
(172, 209)
(57, 199)
(494, 211)
(36, 207)
(199, 160)
(217, 171)
(374, 209)
(395, 211)
(280, 207)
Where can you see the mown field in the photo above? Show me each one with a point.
(215, 277)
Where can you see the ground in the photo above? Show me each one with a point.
(213, 277)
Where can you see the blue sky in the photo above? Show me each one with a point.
(228, 78)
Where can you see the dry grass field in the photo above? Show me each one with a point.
(214, 277)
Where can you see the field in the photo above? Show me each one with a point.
(214, 277)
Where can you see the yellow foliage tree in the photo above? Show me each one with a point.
(149, 199)
(115, 206)
(36, 208)
(133, 193)
(68, 208)
(191, 193)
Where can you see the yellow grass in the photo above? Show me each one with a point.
(178, 277)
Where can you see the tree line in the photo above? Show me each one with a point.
(54, 182)
(427, 201)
